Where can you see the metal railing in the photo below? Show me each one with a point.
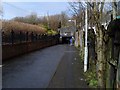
(22, 37)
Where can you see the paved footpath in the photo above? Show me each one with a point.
(53, 67)
(69, 73)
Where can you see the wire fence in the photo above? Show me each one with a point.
(23, 37)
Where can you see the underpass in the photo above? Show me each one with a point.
(66, 40)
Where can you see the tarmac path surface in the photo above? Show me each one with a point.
(53, 67)
(69, 73)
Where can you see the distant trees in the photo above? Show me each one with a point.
(54, 21)
(31, 19)
(64, 19)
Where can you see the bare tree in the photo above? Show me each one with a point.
(95, 18)
(54, 20)
(63, 18)
(31, 19)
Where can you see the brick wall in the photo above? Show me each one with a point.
(10, 51)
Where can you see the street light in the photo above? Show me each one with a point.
(86, 47)
(73, 21)
(1, 14)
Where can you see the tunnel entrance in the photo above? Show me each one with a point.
(66, 40)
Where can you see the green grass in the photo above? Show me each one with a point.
(91, 76)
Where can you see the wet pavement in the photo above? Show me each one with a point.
(53, 67)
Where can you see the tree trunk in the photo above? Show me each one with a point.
(81, 38)
(100, 58)
(76, 39)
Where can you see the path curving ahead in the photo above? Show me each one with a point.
(51, 67)
(69, 73)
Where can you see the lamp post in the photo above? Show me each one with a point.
(1, 14)
(86, 48)
(75, 22)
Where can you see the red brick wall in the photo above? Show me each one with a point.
(10, 51)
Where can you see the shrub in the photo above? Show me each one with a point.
(8, 26)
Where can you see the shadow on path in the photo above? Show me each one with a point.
(69, 73)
